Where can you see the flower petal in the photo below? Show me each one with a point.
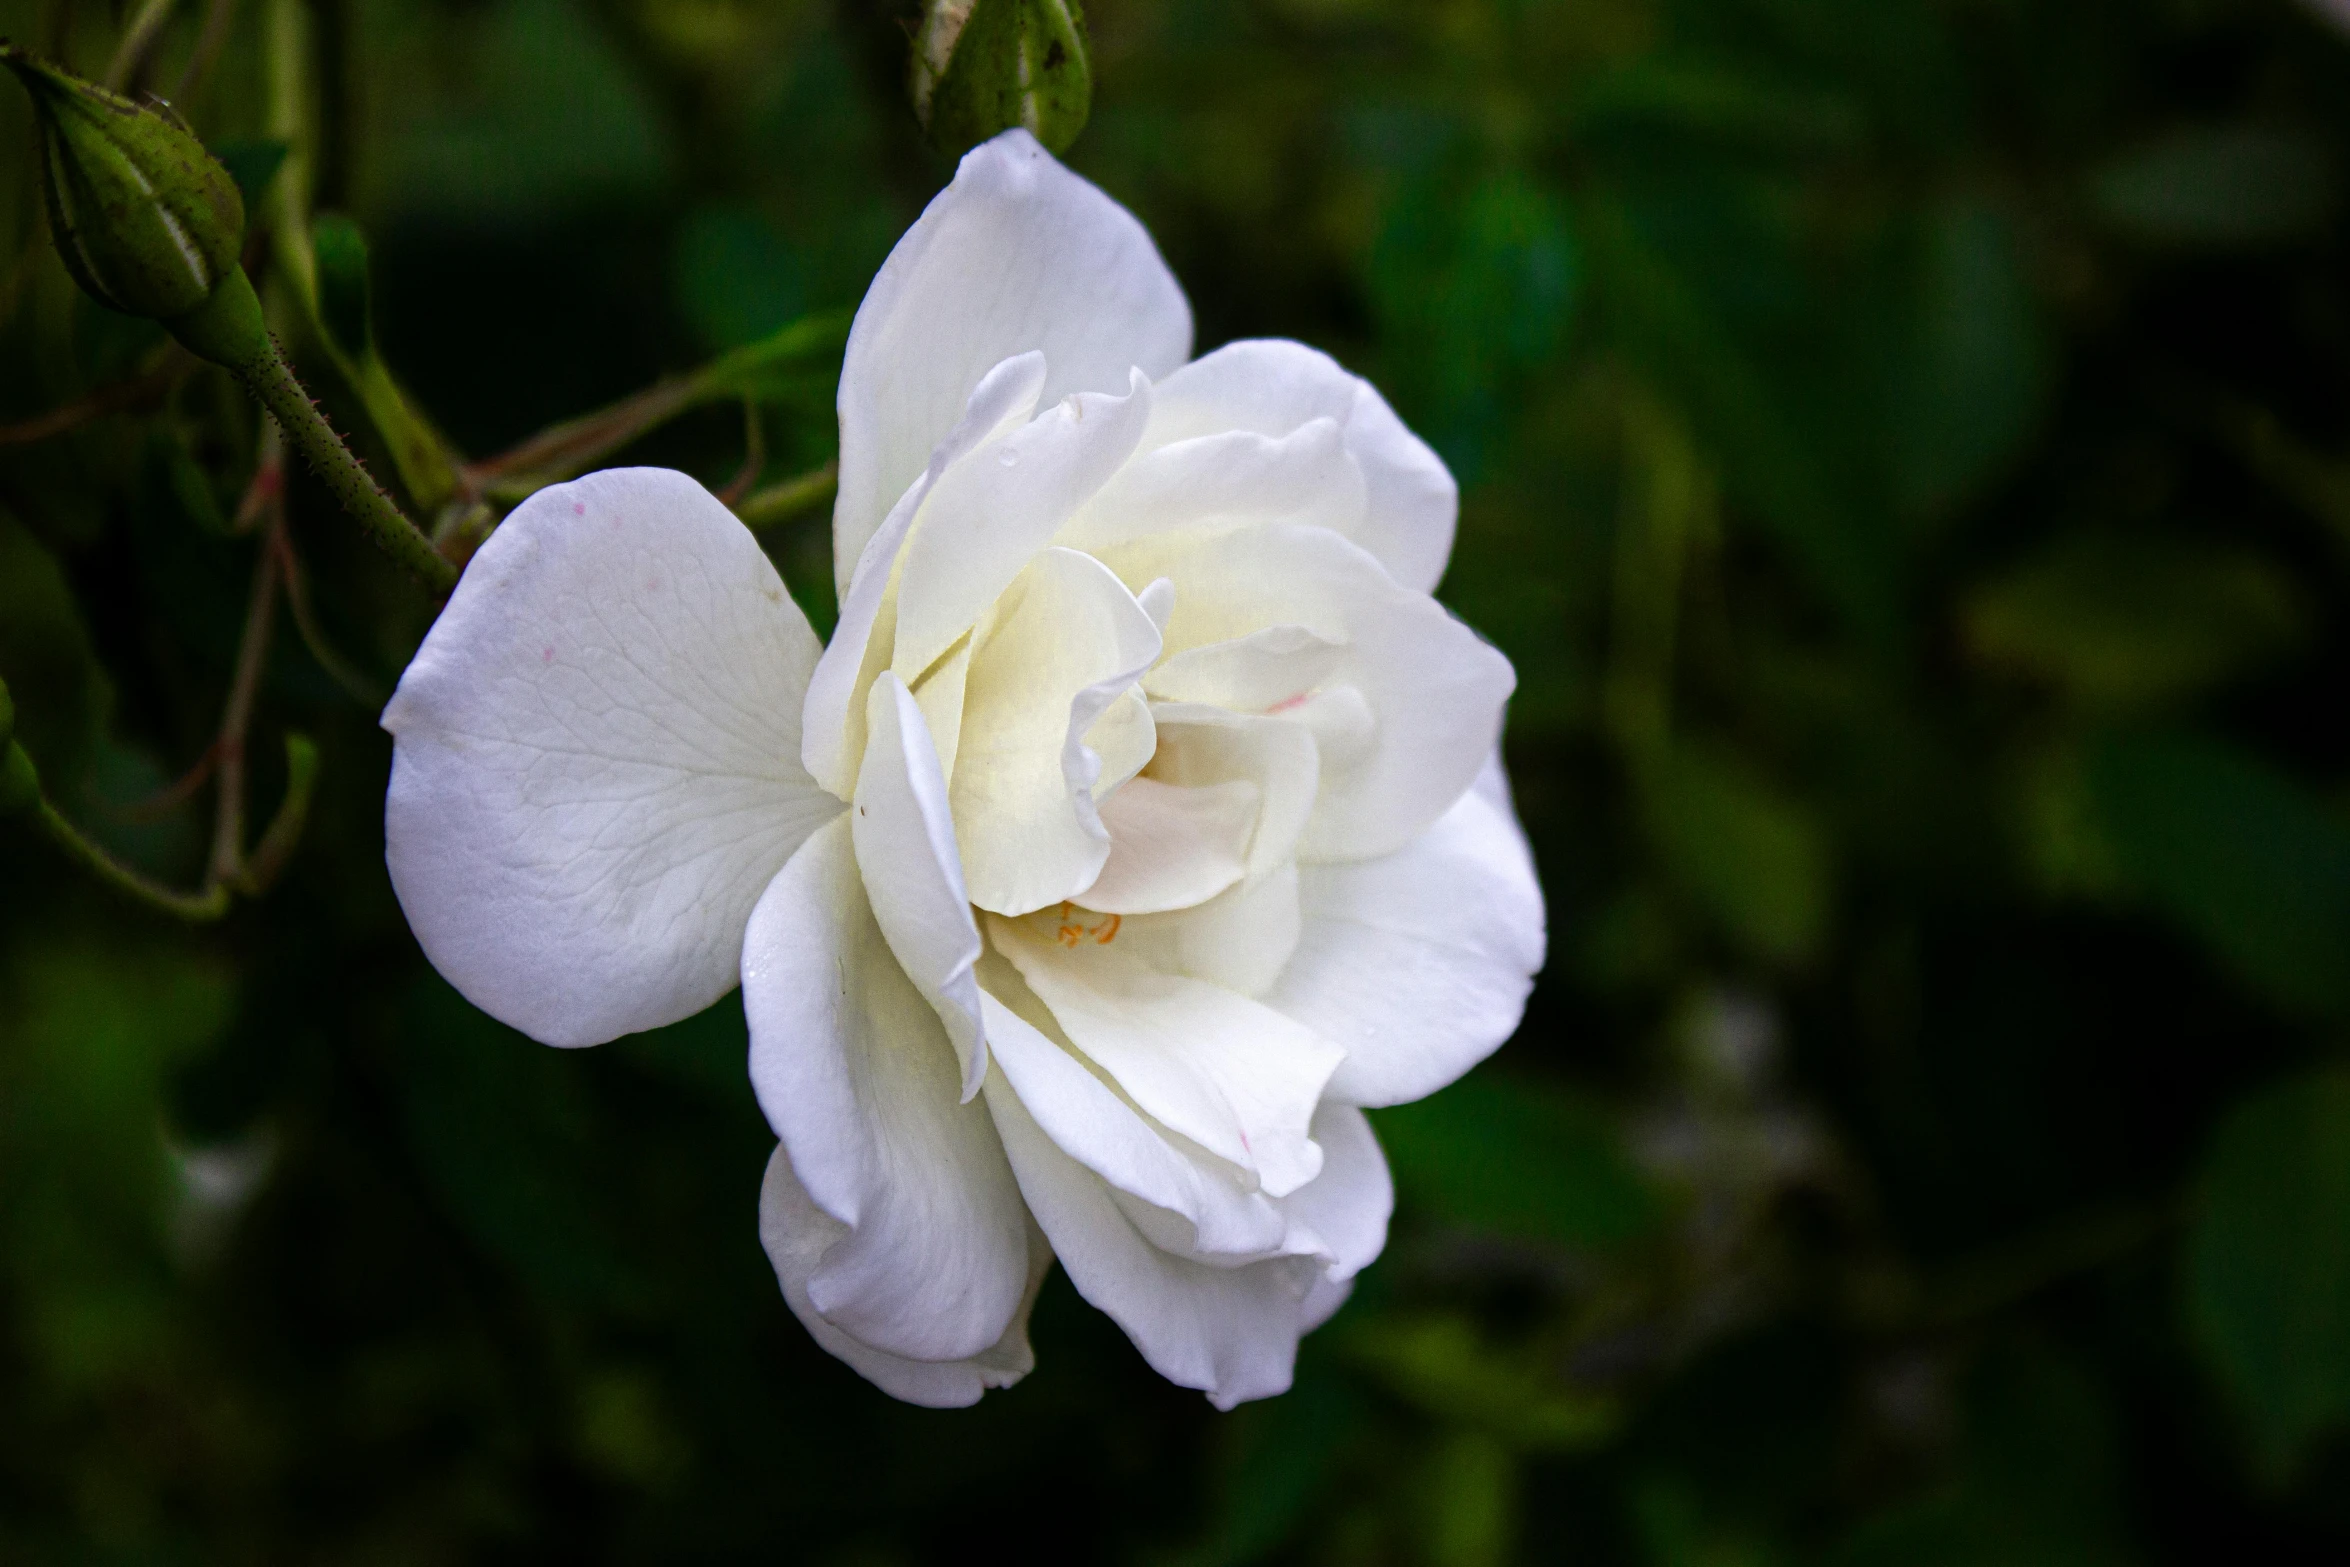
(1016, 254)
(1233, 1076)
(1226, 479)
(1088, 1119)
(1172, 848)
(1348, 1205)
(866, 634)
(929, 1258)
(1064, 644)
(596, 761)
(1419, 964)
(1430, 688)
(905, 842)
(987, 517)
(1231, 1332)
(1240, 940)
(1206, 747)
(797, 1234)
(1274, 387)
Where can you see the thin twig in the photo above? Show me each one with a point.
(783, 501)
(754, 456)
(228, 822)
(138, 41)
(146, 386)
(366, 692)
(561, 450)
(206, 55)
(172, 794)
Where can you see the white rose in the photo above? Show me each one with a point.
(1141, 823)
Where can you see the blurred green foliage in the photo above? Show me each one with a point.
(1906, 451)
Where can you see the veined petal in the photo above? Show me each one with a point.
(596, 761)
(1066, 642)
(797, 1235)
(1017, 254)
(904, 837)
(1418, 964)
(1231, 1075)
(1231, 1332)
(857, 1078)
(986, 518)
(833, 740)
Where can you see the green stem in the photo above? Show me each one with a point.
(272, 381)
(195, 907)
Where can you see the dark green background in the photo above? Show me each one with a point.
(1905, 448)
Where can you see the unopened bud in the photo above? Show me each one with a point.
(984, 66)
(144, 217)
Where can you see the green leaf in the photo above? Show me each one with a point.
(1973, 380)
(1519, 1160)
(2268, 1263)
(1755, 861)
(2122, 623)
(2237, 853)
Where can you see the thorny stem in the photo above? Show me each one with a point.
(272, 381)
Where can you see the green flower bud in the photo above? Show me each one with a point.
(984, 66)
(144, 217)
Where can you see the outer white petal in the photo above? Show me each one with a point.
(1231, 1332)
(1232, 1075)
(865, 636)
(1272, 387)
(905, 842)
(1418, 964)
(1067, 642)
(1017, 254)
(596, 768)
(797, 1235)
(858, 1080)
(1349, 1203)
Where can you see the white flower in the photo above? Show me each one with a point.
(1141, 823)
